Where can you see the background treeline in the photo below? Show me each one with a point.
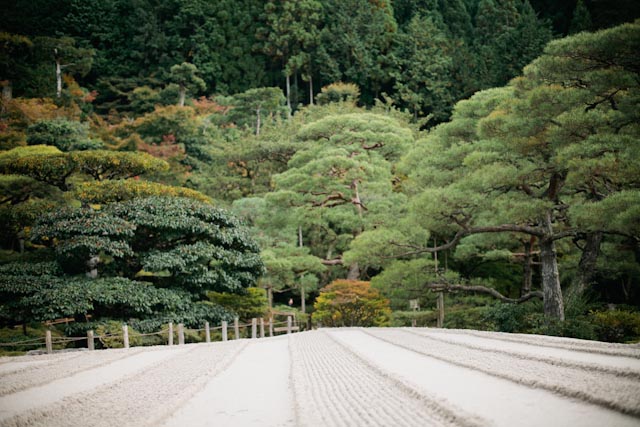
(424, 54)
(411, 148)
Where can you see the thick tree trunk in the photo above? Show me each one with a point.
(288, 79)
(553, 303)
(587, 264)
(354, 272)
(440, 307)
(182, 96)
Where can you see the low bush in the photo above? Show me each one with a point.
(35, 334)
(111, 335)
(616, 325)
(351, 303)
(507, 317)
(405, 318)
(464, 317)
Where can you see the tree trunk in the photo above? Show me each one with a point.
(356, 200)
(303, 303)
(354, 272)
(183, 95)
(58, 78)
(310, 89)
(300, 236)
(288, 79)
(587, 264)
(527, 271)
(553, 303)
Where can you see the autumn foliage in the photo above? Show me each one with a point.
(351, 303)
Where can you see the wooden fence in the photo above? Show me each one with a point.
(258, 327)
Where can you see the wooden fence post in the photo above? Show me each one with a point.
(262, 327)
(288, 325)
(254, 328)
(180, 334)
(236, 328)
(224, 330)
(125, 335)
(90, 342)
(48, 342)
(440, 305)
(207, 332)
(170, 333)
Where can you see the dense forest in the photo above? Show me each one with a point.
(193, 160)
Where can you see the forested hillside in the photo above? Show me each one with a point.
(424, 54)
(188, 161)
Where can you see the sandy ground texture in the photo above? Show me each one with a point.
(332, 377)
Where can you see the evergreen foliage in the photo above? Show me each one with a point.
(453, 147)
(148, 259)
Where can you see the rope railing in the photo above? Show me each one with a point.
(168, 333)
(148, 334)
(25, 342)
(67, 339)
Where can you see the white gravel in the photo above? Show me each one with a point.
(555, 355)
(20, 376)
(618, 390)
(80, 383)
(332, 377)
(265, 399)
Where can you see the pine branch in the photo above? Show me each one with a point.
(483, 289)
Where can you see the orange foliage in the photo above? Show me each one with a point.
(351, 303)
(204, 105)
(27, 111)
(167, 149)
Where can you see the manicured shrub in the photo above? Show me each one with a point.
(351, 303)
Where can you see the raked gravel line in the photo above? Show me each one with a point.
(617, 365)
(34, 399)
(145, 397)
(335, 387)
(10, 364)
(618, 392)
(45, 373)
(253, 391)
(612, 349)
(501, 402)
(13, 366)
